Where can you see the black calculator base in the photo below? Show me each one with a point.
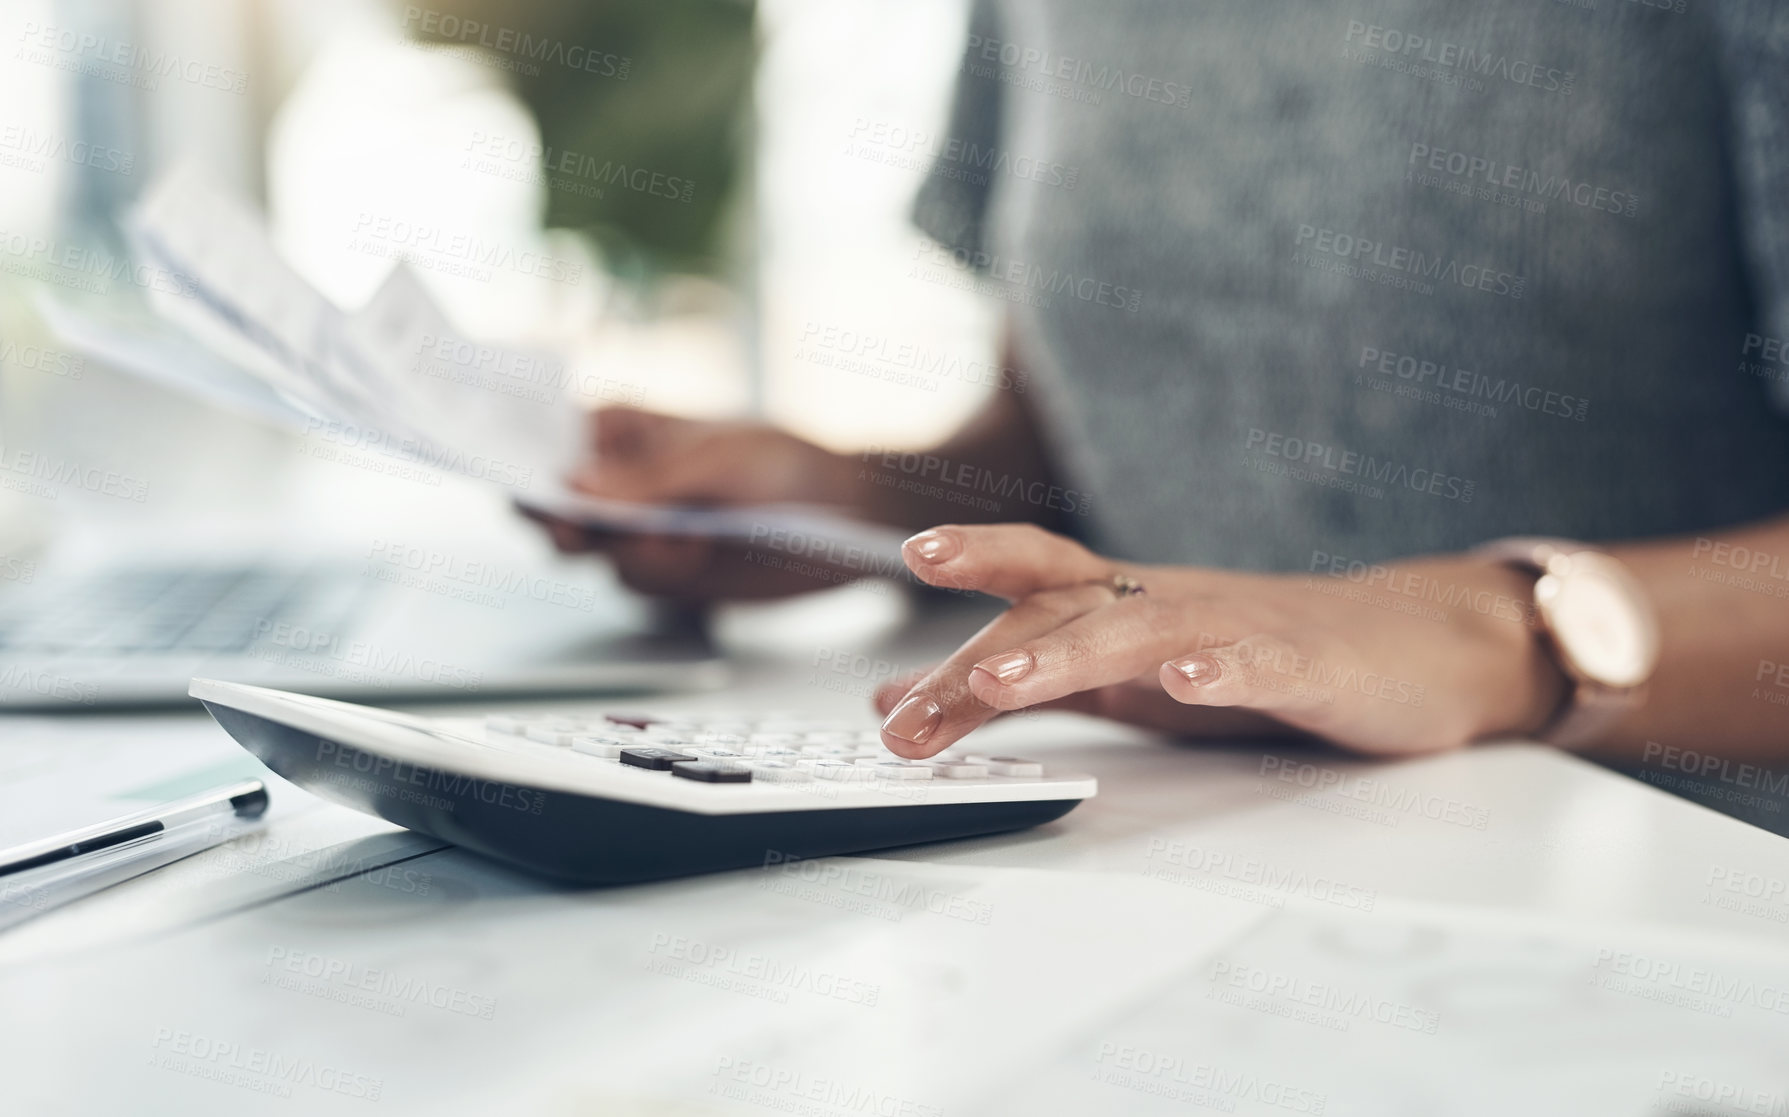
(590, 840)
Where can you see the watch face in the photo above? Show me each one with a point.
(1600, 619)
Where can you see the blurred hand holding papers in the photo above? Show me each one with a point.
(242, 329)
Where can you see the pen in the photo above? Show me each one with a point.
(66, 866)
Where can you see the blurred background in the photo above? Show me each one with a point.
(694, 168)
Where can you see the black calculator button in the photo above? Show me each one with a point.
(658, 760)
(709, 772)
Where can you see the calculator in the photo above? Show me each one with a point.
(617, 796)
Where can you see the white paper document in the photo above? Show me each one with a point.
(243, 330)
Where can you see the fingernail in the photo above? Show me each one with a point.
(1008, 667)
(934, 546)
(1200, 670)
(914, 719)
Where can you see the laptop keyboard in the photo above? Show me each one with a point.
(147, 610)
(747, 748)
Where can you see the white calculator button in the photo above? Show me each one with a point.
(1014, 766)
(831, 738)
(707, 753)
(771, 752)
(781, 740)
(779, 771)
(840, 770)
(609, 748)
(504, 723)
(958, 770)
(560, 735)
(900, 770)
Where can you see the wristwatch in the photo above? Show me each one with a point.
(1598, 624)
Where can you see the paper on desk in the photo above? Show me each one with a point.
(1480, 1012)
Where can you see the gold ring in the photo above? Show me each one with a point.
(1123, 586)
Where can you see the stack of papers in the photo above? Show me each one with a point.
(393, 378)
(243, 330)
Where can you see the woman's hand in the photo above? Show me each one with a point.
(1437, 653)
(659, 459)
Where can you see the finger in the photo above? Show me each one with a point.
(941, 708)
(1143, 702)
(1007, 560)
(1126, 639)
(1136, 702)
(619, 437)
(644, 456)
(625, 432)
(889, 694)
(1299, 679)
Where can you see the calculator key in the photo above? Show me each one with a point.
(720, 740)
(504, 723)
(770, 752)
(958, 770)
(657, 760)
(703, 752)
(842, 770)
(710, 772)
(608, 748)
(899, 770)
(560, 735)
(779, 771)
(1014, 766)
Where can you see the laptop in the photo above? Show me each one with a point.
(136, 633)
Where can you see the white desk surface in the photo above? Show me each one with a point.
(1201, 936)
